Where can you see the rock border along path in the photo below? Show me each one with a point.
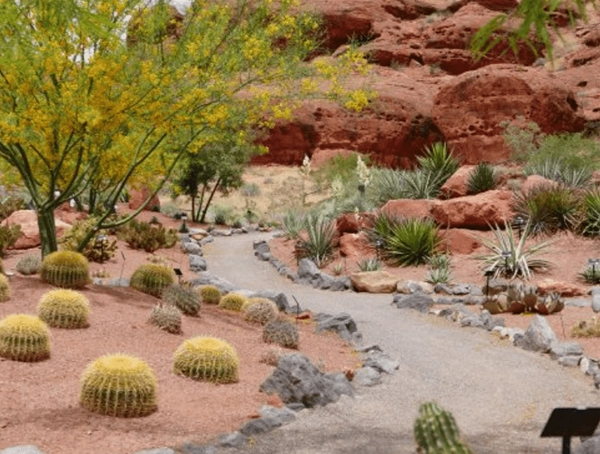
(501, 396)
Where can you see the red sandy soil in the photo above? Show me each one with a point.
(39, 402)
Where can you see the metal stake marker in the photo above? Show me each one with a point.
(571, 422)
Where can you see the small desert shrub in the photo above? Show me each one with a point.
(207, 359)
(260, 311)
(152, 279)
(281, 332)
(4, 288)
(482, 178)
(439, 269)
(338, 268)
(66, 269)
(587, 328)
(319, 240)
(232, 302)
(369, 264)
(271, 356)
(25, 338)
(10, 204)
(387, 184)
(99, 249)
(221, 214)
(29, 264)
(119, 385)
(183, 297)
(591, 212)
(166, 317)
(209, 294)
(64, 308)
(293, 223)
(9, 234)
(148, 236)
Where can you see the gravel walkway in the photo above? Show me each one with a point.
(501, 396)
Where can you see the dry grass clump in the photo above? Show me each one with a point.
(587, 328)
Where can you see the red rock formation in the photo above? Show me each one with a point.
(456, 185)
(459, 241)
(408, 208)
(474, 211)
(30, 233)
(139, 196)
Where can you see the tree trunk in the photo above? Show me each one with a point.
(47, 228)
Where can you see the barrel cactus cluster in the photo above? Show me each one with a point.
(436, 431)
(4, 288)
(281, 332)
(152, 279)
(207, 358)
(64, 308)
(260, 311)
(232, 302)
(65, 269)
(119, 385)
(25, 338)
(210, 294)
(183, 297)
(167, 317)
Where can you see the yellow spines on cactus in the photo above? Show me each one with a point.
(232, 302)
(4, 288)
(260, 310)
(207, 359)
(24, 337)
(66, 269)
(152, 278)
(119, 385)
(64, 308)
(209, 294)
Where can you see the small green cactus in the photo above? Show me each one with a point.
(24, 338)
(4, 288)
(281, 332)
(209, 294)
(65, 269)
(260, 311)
(64, 308)
(184, 297)
(167, 317)
(118, 385)
(436, 431)
(152, 279)
(232, 302)
(208, 359)
(29, 264)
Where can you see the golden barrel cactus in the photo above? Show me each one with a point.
(67, 269)
(4, 288)
(152, 279)
(210, 294)
(64, 308)
(25, 338)
(232, 302)
(207, 359)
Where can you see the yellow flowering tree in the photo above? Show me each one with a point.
(96, 95)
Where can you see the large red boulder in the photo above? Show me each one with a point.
(408, 208)
(139, 196)
(470, 108)
(30, 232)
(459, 241)
(355, 246)
(478, 211)
(456, 185)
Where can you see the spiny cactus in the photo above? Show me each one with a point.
(64, 309)
(24, 338)
(208, 359)
(4, 288)
(282, 332)
(525, 298)
(549, 304)
(436, 431)
(118, 385)
(66, 269)
(184, 297)
(260, 310)
(167, 317)
(29, 264)
(209, 294)
(152, 279)
(232, 302)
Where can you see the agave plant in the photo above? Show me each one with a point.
(319, 241)
(438, 161)
(510, 258)
(591, 212)
(410, 241)
(482, 178)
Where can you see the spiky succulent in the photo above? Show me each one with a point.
(232, 302)
(210, 294)
(167, 317)
(281, 332)
(65, 269)
(436, 431)
(184, 297)
(207, 359)
(24, 337)
(152, 279)
(29, 264)
(64, 308)
(260, 310)
(4, 288)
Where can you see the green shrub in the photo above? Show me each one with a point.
(555, 169)
(148, 236)
(369, 264)
(439, 269)
(207, 359)
(232, 302)
(281, 332)
(29, 264)
(119, 385)
(99, 249)
(9, 234)
(183, 297)
(152, 279)
(24, 338)
(436, 431)
(64, 308)
(4, 288)
(482, 178)
(342, 168)
(439, 162)
(222, 214)
(66, 269)
(260, 311)
(167, 317)
(387, 184)
(548, 208)
(10, 204)
(293, 223)
(209, 294)
(591, 212)
(318, 243)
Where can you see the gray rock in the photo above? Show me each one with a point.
(461, 289)
(323, 282)
(191, 247)
(369, 348)
(476, 290)
(474, 300)
(22, 449)
(297, 380)
(261, 246)
(381, 362)
(233, 440)
(445, 300)
(595, 290)
(408, 287)
(307, 269)
(192, 448)
(595, 301)
(156, 451)
(367, 376)
(578, 302)
(342, 324)
(569, 361)
(589, 446)
(496, 286)
(417, 301)
(443, 288)
(196, 231)
(278, 298)
(538, 336)
(340, 284)
(473, 320)
(197, 263)
(284, 414)
(206, 240)
(206, 278)
(589, 366)
(271, 418)
(221, 232)
(560, 349)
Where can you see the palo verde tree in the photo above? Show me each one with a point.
(96, 95)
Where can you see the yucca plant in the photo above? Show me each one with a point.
(510, 258)
(369, 264)
(387, 184)
(438, 160)
(591, 212)
(482, 178)
(549, 208)
(422, 184)
(293, 223)
(407, 242)
(439, 269)
(319, 240)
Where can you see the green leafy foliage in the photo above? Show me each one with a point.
(318, 242)
(4, 288)
(369, 264)
(9, 234)
(438, 161)
(99, 249)
(591, 212)
(147, 236)
(439, 269)
(10, 204)
(387, 184)
(341, 168)
(293, 222)
(482, 178)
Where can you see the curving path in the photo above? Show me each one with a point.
(501, 396)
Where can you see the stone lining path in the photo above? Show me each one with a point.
(501, 396)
